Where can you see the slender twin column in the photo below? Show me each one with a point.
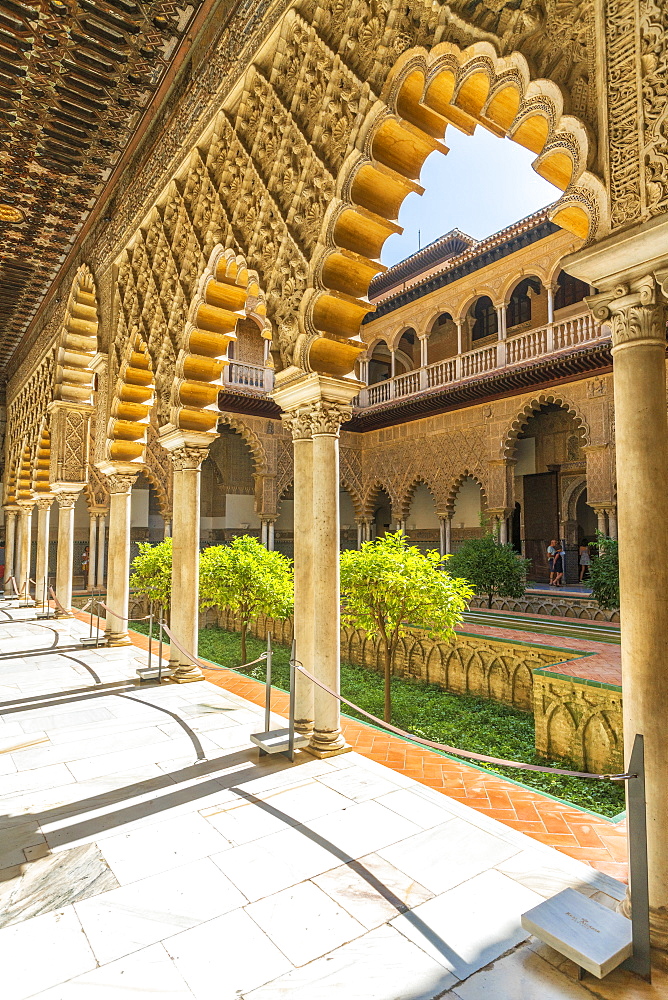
(101, 548)
(25, 538)
(445, 533)
(300, 424)
(120, 486)
(43, 505)
(317, 406)
(65, 556)
(10, 546)
(184, 615)
(267, 534)
(92, 550)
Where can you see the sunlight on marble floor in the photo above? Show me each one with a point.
(146, 851)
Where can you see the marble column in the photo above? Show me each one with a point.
(119, 485)
(503, 530)
(263, 533)
(299, 424)
(167, 529)
(612, 522)
(92, 549)
(601, 521)
(187, 451)
(101, 548)
(10, 546)
(43, 505)
(441, 533)
(637, 312)
(327, 417)
(65, 554)
(25, 538)
(316, 407)
(270, 536)
(448, 535)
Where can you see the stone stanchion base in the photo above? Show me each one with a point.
(185, 676)
(322, 752)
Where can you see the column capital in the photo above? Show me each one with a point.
(10, 508)
(637, 311)
(187, 458)
(25, 506)
(67, 500)
(44, 502)
(298, 422)
(327, 417)
(187, 449)
(120, 482)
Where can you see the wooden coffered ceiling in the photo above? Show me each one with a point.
(76, 79)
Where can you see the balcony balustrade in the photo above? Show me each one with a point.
(257, 378)
(513, 351)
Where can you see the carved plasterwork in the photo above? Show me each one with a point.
(119, 482)
(188, 459)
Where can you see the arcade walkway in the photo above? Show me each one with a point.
(145, 851)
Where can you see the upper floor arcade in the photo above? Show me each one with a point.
(460, 319)
(501, 306)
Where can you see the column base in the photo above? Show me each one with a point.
(323, 748)
(119, 639)
(63, 614)
(186, 675)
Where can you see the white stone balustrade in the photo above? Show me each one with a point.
(238, 374)
(526, 346)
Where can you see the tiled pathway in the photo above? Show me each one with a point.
(147, 852)
(579, 834)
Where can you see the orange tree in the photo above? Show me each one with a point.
(389, 586)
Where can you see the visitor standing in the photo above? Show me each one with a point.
(551, 552)
(558, 566)
(585, 559)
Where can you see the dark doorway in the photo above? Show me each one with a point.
(541, 520)
(515, 529)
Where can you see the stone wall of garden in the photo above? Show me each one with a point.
(574, 719)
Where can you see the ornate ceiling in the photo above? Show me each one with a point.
(75, 79)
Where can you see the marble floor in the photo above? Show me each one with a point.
(146, 851)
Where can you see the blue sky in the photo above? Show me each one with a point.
(482, 185)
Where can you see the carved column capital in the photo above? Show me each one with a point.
(327, 417)
(44, 503)
(298, 422)
(25, 506)
(636, 311)
(188, 458)
(120, 482)
(67, 500)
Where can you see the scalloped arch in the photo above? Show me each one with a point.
(425, 93)
(41, 471)
(527, 412)
(369, 500)
(131, 406)
(407, 498)
(228, 291)
(456, 485)
(250, 437)
(77, 344)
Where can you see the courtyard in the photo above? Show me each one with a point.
(146, 851)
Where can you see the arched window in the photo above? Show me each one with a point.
(484, 315)
(519, 307)
(569, 290)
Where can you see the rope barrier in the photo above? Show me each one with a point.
(207, 666)
(443, 747)
(430, 744)
(122, 618)
(57, 602)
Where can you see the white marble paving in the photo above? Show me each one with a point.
(238, 878)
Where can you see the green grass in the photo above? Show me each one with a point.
(425, 710)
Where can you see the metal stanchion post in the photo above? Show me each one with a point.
(150, 632)
(291, 719)
(640, 960)
(267, 704)
(160, 644)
